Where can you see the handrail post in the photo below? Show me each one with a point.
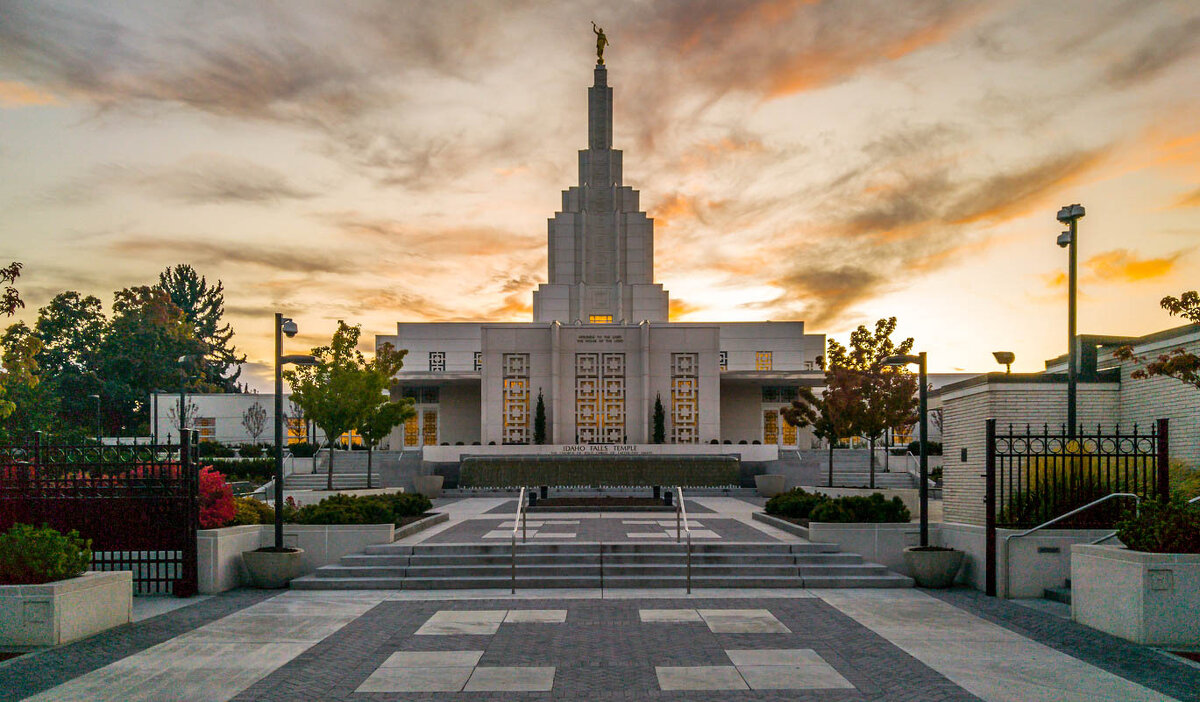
(518, 521)
(678, 533)
(689, 563)
(513, 552)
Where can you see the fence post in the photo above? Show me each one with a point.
(1163, 461)
(188, 584)
(37, 449)
(989, 499)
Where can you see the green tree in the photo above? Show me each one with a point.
(1179, 363)
(22, 398)
(71, 328)
(10, 299)
(203, 306)
(539, 420)
(379, 414)
(660, 421)
(886, 395)
(140, 353)
(827, 416)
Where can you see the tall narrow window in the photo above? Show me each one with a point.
(437, 360)
(516, 398)
(478, 360)
(762, 360)
(685, 398)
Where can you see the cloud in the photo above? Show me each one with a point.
(1191, 199)
(1126, 266)
(680, 308)
(224, 254)
(17, 94)
(1163, 48)
(824, 294)
(440, 241)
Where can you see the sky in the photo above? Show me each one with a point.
(831, 162)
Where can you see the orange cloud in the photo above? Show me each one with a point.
(14, 94)
(680, 308)
(1125, 266)
(676, 206)
(1191, 199)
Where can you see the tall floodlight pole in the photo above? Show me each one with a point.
(923, 419)
(283, 325)
(1070, 215)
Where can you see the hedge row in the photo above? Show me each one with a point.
(699, 471)
(815, 507)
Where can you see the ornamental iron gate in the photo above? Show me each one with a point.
(138, 504)
(1035, 476)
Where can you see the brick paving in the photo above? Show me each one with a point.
(604, 651)
(509, 507)
(41, 670)
(1141, 664)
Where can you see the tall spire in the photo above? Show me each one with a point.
(600, 111)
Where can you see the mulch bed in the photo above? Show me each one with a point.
(414, 518)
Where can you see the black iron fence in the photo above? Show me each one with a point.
(1034, 476)
(138, 504)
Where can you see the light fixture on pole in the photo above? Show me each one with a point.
(1069, 239)
(923, 418)
(283, 325)
(97, 399)
(1006, 358)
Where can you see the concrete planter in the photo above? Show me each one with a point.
(56, 613)
(429, 485)
(770, 485)
(271, 570)
(1148, 598)
(933, 568)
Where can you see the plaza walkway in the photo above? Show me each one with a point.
(591, 644)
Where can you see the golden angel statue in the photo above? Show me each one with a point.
(601, 42)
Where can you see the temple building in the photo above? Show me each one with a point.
(600, 349)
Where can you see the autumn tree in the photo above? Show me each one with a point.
(254, 420)
(379, 413)
(886, 395)
(828, 416)
(203, 306)
(1179, 363)
(10, 299)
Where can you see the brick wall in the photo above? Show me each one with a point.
(1144, 401)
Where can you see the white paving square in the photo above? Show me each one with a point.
(700, 677)
(554, 535)
(536, 616)
(511, 679)
(472, 622)
(742, 621)
(506, 534)
(396, 679)
(702, 534)
(433, 659)
(647, 535)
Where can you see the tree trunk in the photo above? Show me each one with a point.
(871, 445)
(370, 450)
(329, 474)
(831, 463)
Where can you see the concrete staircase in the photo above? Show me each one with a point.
(852, 468)
(318, 481)
(593, 565)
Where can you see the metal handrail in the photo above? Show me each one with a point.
(518, 521)
(681, 514)
(1077, 510)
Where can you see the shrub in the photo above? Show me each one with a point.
(794, 504)
(1185, 481)
(932, 448)
(875, 509)
(935, 474)
(303, 449)
(1162, 527)
(248, 510)
(216, 499)
(214, 449)
(250, 450)
(30, 555)
(370, 509)
(255, 469)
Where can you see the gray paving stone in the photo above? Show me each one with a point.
(511, 679)
(396, 679)
(708, 677)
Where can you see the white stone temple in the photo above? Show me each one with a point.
(600, 348)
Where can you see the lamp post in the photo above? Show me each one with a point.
(283, 325)
(923, 418)
(1069, 215)
(97, 399)
(1006, 358)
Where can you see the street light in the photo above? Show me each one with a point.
(283, 325)
(1006, 358)
(97, 399)
(1070, 215)
(923, 417)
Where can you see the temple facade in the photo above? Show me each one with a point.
(600, 350)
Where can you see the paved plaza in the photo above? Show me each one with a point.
(593, 644)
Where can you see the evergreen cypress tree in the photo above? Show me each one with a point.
(539, 420)
(660, 421)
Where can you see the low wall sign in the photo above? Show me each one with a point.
(596, 449)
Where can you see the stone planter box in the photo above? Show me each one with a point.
(1148, 598)
(770, 485)
(428, 485)
(270, 570)
(56, 613)
(935, 567)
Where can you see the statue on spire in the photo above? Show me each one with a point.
(601, 42)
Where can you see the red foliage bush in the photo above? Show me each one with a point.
(216, 499)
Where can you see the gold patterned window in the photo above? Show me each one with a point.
(429, 427)
(412, 431)
(762, 360)
(770, 426)
(437, 360)
(685, 398)
(789, 433)
(207, 426)
(600, 319)
(600, 398)
(516, 398)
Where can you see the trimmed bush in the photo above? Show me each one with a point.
(248, 510)
(251, 450)
(31, 555)
(370, 509)
(303, 449)
(875, 509)
(216, 499)
(214, 449)
(1162, 527)
(255, 469)
(932, 448)
(794, 504)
